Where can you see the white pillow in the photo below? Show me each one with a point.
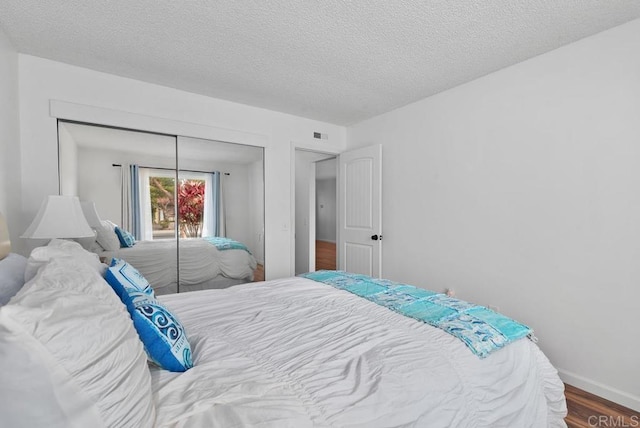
(12, 270)
(77, 361)
(106, 236)
(35, 377)
(61, 248)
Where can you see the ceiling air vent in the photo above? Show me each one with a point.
(320, 136)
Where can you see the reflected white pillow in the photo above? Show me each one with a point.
(106, 236)
(76, 354)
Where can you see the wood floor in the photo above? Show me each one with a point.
(325, 255)
(325, 259)
(588, 411)
(584, 410)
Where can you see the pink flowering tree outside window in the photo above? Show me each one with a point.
(191, 207)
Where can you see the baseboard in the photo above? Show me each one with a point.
(326, 240)
(601, 390)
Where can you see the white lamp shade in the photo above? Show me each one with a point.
(59, 217)
(91, 214)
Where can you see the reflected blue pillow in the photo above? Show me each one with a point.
(126, 239)
(162, 334)
(123, 278)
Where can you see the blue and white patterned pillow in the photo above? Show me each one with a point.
(123, 278)
(126, 239)
(164, 338)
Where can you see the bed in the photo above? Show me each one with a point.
(202, 264)
(292, 352)
(205, 263)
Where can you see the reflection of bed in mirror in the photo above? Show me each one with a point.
(205, 263)
(202, 265)
(136, 179)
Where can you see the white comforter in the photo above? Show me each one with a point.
(296, 353)
(200, 261)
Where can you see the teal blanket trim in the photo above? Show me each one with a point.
(226, 243)
(481, 329)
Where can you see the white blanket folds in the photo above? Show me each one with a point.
(297, 353)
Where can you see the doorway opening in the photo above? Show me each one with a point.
(315, 211)
(326, 214)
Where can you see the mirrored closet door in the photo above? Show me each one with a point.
(195, 207)
(221, 209)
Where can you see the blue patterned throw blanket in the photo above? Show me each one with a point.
(226, 243)
(481, 329)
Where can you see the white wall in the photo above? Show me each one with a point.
(522, 190)
(9, 137)
(68, 163)
(43, 80)
(100, 182)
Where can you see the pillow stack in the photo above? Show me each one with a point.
(58, 249)
(164, 338)
(71, 355)
(112, 237)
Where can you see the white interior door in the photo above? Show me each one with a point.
(360, 211)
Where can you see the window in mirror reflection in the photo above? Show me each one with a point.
(162, 205)
(200, 201)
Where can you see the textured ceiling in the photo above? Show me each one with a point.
(331, 60)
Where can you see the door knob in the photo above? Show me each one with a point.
(376, 237)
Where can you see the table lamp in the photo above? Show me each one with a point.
(59, 217)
